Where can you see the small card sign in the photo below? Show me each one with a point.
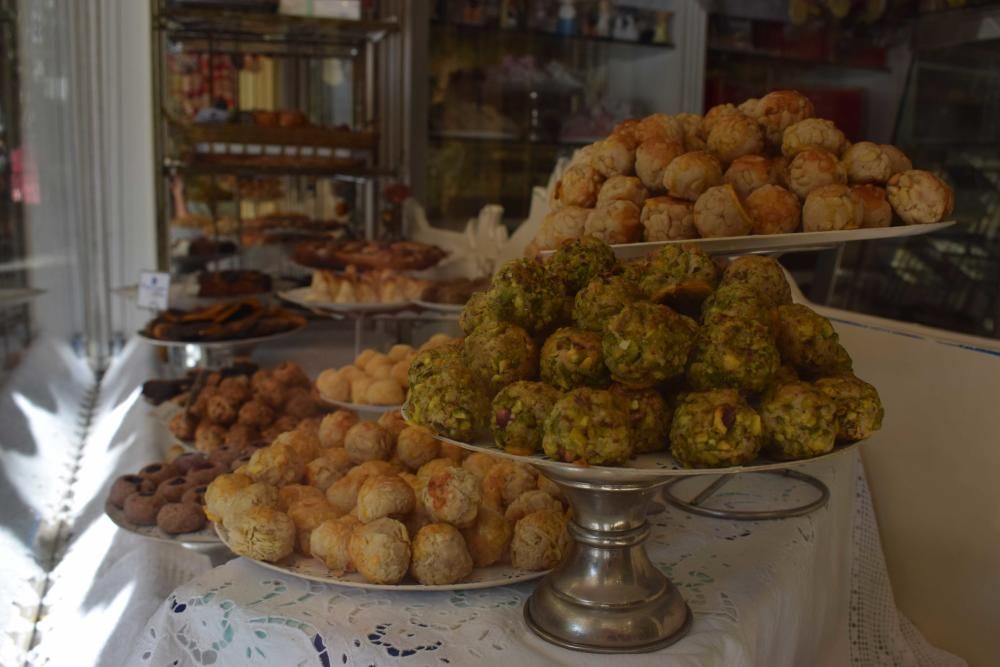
(154, 290)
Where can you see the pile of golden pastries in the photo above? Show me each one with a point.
(375, 378)
(367, 287)
(767, 166)
(389, 501)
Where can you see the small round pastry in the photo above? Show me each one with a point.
(548, 486)
(327, 468)
(393, 422)
(385, 392)
(691, 174)
(222, 492)
(540, 541)
(735, 135)
(919, 197)
(186, 461)
(259, 377)
(359, 390)
(434, 466)
(381, 551)
(333, 385)
(579, 186)
(612, 157)
(528, 502)
(208, 436)
(225, 455)
(180, 517)
(578, 262)
(476, 312)
(452, 496)
(236, 388)
(305, 445)
(866, 162)
(333, 429)
(307, 514)
(876, 211)
(573, 358)
(182, 425)
(832, 207)
(285, 423)
(293, 493)
(588, 426)
(310, 425)
(646, 344)
(779, 110)
(479, 463)
(812, 168)
(668, 219)
(749, 172)
(659, 127)
(222, 410)
(401, 351)
(733, 353)
(649, 418)
(255, 413)
(519, 414)
(719, 212)
(816, 133)
(799, 421)
(416, 446)
(343, 494)
(400, 373)
(601, 299)
(440, 556)
(897, 159)
(523, 293)
(453, 452)
(715, 429)
(142, 507)
(716, 114)
(678, 274)
(488, 538)
(301, 405)
(270, 392)
(125, 486)
(506, 482)
(859, 411)
(330, 542)
(367, 441)
(157, 472)
(624, 188)
(736, 300)
(694, 137)
(275, 465)
(651, 158)
(384, 495)
(560, 225)
(773, 210)
(171, 490)
(262, 533)
(242, 436)
(291, 374)
(203, 473)
(615, 222)
(196, 495)
(627, 131)
(499, 353)
(808, 341)
(748, 107)
(200, 404)
(452, 404)
(762, 273)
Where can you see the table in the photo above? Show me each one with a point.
(763, 593)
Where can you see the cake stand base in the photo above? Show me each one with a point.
(696, 506)
(607, 596)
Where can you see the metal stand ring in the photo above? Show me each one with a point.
(694, 506)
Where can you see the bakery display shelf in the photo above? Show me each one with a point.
(320, 137)
(486, 136)
(227, 344)
(268, 27)
(16, 296)
(742, 53)
(522, 35)
(359, 173)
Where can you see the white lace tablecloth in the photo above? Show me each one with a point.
(763, 593)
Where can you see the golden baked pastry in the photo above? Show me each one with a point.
(540, 540)
(832, 207)
(435, 466)
(488, 538)
(773, 210)
(651, 158)
(548, 486)
(263, 533)
(875, 204)
(416, 446)
(384, 495)
(813, 133)
(612, 157)
(333, 429)
(208, 436)
(220, 494)
(440, 555)
(627, 131)
(715, 114)
(385, 392)
(343, 494)
(305, 445)
(330, 542)
(393, 422)
(453, 452)
(748, 107)
(866, 162)
(920, 197)
(275, 465)
(735, 135)
(367, 441)
(370, 286)
(380, 551)
(306, 514)
(659, 126)
(668, 219)
(579, 186)
(694, 137)
(747, 173)
(691, 174)
(328, 467)
(292, 493)
(615, 222)
(561, 224)
(897, 159)
(479, 463)
(452, 496)
(528, 502)
(779, 110)
(505, 482)
(812, 168)
(719, 212)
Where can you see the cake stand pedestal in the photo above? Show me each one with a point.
(697, 504)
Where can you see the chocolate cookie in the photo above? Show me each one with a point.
(142, 507)
(171, 490)
(125, 486)
(185, 462)
(181, 517)
(195, 495)
(157, 472)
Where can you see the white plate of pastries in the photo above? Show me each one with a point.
(387, 505)
(762, 171)
(377, 290)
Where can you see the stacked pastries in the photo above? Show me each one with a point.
(768, 166)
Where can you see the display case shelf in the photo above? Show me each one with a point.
(538, 37)
(359, 173)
